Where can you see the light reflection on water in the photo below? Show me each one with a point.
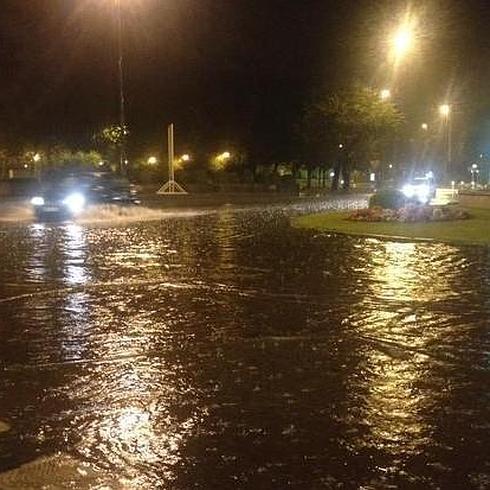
(228, 350)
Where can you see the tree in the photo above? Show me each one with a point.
(350, 127)
(60, 156)
(110, 140)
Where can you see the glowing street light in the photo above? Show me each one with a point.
(424, 126)
(474, 175)
(445, 110)
(152, 160)
(220, 161)
(180, 161)
(36, 157)
(403, 39)
(385, 94)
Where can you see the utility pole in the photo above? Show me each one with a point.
(122, 101)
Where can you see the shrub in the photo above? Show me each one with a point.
(388, 199)
(409, 214)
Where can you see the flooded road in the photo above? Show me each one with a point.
(221, 348)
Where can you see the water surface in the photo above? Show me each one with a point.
(221, 348)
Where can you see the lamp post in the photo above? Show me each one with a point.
(122, 99)
(445, 113)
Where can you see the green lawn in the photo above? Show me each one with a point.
(475, 230)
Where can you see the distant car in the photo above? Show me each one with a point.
(419, 189)
(64, 194)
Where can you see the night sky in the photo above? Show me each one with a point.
(227, 72)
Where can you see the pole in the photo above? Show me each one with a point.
(171, 154)
(122, 101)
(171, 187)
(449, 144)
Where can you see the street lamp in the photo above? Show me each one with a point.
(403, 39)
(385, 94)
(424, 126)
(445, 113)
(445, 110)
(152, 161)
(122, 99)
(474, 171)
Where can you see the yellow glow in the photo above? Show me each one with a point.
(152, 160)
(444, 110)
(385, 94)
(221, 160)
(403, 39)
(36, 157)
(397, 342)
(186, 157)
(425, 126)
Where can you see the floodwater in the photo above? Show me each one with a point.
(221, 348)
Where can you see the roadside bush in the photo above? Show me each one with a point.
(387, 199)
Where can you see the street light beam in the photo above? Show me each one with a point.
(403, 39)
(444, 110)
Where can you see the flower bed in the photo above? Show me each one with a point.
(409, 214)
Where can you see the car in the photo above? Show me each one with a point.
(65, 194)
(419, 189)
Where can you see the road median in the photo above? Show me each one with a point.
(472, 231)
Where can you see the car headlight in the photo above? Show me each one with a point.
(408, 190)
(423, 191)
(37, 201)
(75, 202)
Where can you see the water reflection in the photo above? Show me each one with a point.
(147, 403)
(76, 271)
(36, 265)
(397, 333)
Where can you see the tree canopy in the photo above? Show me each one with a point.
(356, 118)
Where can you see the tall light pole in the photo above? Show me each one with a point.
(445, 113)
(122, 99)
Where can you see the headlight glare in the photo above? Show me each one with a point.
(37, 201)
(408, 190)
(75, 202)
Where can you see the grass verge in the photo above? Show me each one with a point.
(475, 230)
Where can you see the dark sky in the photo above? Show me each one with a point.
(233, 72)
